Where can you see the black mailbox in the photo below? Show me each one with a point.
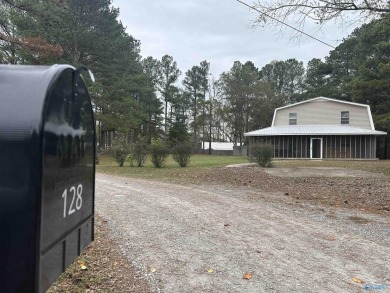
(47, 174)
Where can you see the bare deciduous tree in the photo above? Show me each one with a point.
(298, 12)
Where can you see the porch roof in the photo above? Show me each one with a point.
(313, 130)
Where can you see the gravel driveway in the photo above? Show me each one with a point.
(205, 238)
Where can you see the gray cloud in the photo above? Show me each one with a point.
(214, 30)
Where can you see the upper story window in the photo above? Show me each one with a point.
(344, 117)
(292, 118)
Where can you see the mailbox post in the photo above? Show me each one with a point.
(47, 174)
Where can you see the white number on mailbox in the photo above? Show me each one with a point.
(77, 200)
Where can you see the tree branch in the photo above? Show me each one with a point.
(282, 12)
(34, 44)
(20, 7)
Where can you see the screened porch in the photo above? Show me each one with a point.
(320, 146)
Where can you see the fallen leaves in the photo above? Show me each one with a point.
(247, 276)
(101, 268)
(82, 265)
(357, 280)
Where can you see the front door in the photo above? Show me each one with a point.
(316, 148)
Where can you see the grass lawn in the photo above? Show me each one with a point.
(198, 162)
(108, 165)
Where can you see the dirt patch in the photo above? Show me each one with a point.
(369, 192)
(321, 172)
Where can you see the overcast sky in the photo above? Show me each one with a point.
(218, 31)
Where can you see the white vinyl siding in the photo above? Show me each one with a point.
(323, 112)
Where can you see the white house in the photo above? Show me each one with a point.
(321, 128)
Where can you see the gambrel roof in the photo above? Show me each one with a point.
(314, 129)
(327, 99)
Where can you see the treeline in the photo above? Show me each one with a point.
(143, 98)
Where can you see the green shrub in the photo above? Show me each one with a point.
(182, 153)
(140, 152)
(262, 154)
(119, 150)
(130, 159)
(159, 153)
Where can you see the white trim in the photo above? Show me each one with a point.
(370, 117)
(273, 119)
(311, 148)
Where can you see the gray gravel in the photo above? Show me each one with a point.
(205, 238)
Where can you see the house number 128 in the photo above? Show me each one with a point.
(77, 200)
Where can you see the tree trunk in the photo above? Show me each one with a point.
(165, 120)
(195, 113)
(150, 115)
(210, 124)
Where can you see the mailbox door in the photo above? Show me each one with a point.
(68, 170)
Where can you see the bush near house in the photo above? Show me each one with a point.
(130, 159)
(140, 152)
(120, 149)
(182, 153)
(261, 154)
(158, 152)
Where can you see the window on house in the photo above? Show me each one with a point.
(292, 118)
(344, 117)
